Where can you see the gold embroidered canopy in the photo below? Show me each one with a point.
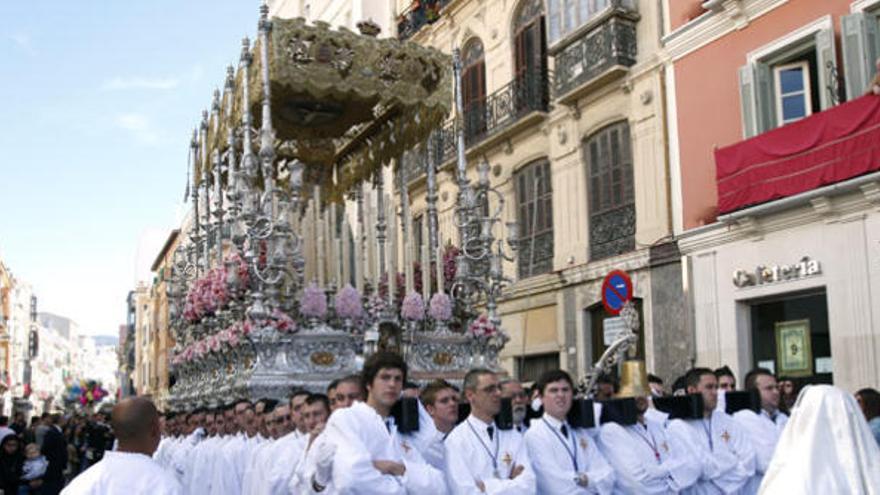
(341, 100)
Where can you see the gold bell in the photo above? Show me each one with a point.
(633, 379)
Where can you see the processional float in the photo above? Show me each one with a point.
(289, 274)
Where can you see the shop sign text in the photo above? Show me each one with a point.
(762, 275)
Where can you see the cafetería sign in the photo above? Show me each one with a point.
(763, 275)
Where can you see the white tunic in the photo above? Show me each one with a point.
(763, 431)
(646, 460)
(825, 448)
(197, 480)
(124, 473)
(559, 459)
(727, 456)
(301, 481)
(471, 457)
(285, 456)
(361, 436)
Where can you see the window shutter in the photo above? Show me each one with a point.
(824, 57)
(747, 100)
(764, 97)
(861, 47)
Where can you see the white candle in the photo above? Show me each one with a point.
(392, 255)
(320, 241)
(408, 255)
(307, 249)
(426, 262)
(346, 251)
(439, 266)
(358, 260)
(332, 247)
(330, 257)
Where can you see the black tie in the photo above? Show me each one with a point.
(388, 425)
(564, 431)
(490, 430)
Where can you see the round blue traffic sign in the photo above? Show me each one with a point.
(616, 291)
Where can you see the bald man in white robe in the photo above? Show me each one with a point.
(130, 469)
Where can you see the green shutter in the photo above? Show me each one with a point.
(861, 47)
(747, 100)
(765, 98)
(825, 57)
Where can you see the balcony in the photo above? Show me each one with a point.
(814, 155)
(518, 104)
(421, 12)
(604, 51)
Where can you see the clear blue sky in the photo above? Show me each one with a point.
(97, 103)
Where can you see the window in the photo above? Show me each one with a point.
(793, 95)
(566, 16)
(532, 367)
(800, 322)
(534, 203)
(610, 191)
(474, 88)
(789, 80)
(530, 54)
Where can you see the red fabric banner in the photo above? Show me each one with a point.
(827, 147)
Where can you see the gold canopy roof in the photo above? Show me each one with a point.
(340, 99)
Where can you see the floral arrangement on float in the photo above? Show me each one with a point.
(413, 307)
(211, 292)
(488, 339)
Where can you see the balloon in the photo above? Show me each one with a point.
(83, 400)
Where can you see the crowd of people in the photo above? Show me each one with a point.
(40, 458)
(377, 433)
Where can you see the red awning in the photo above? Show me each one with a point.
(824, 148)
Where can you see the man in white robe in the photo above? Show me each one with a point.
(228, 471)
(370, 456)
(130, 469)
(519, 402)
(727, 456)
(197, 481)
(440, 400)
(644, 459)
(181, 460)
(565, 459)
(307, 479)
(480, 458)
(763, 429)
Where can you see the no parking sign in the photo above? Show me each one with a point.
(616, 291)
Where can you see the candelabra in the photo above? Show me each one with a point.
(479, 265)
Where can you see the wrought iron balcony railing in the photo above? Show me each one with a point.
(528, 92)
(608, 49)
(486, 117)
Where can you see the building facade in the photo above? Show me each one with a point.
(781, 258)
(566, 103)
(162, 342)
(144, 364)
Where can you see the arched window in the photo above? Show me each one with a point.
(534, 210)
(611, 200)
(530, 55)
(474, 88)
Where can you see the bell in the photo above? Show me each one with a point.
(633, 379)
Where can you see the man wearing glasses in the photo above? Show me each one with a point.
(519, 400)
(480, 457)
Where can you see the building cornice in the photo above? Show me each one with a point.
(730, 16)
(826, 209)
